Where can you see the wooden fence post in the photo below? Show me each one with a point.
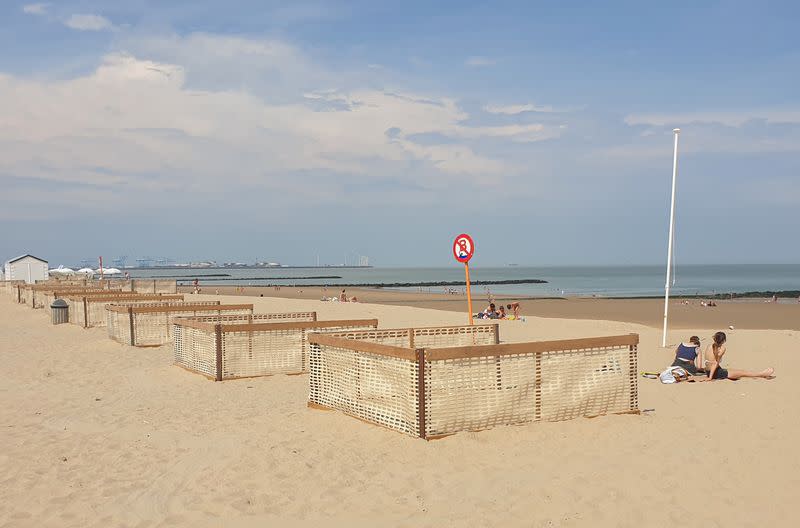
(497, 365)
(250, 337)
(410, 338)
(537, 388)
(634, 386)
(130, 321)
(85, 313)
(218, 342)
(422, 423)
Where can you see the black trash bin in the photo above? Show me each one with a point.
(59, 312)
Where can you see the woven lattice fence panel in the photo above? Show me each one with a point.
(455, 336)
(480, 392)
(27, 296)
(8, 287)
(154, 285)
(260, 353)
(394, 337)
(256, 318)
(195, 349)
(375, 388)
(118, 325)
(438, 337)
(155, 328)
(267, 351)
(96, 308)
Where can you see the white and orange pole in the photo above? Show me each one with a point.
(469, 295)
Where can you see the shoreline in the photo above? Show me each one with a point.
(743, 313)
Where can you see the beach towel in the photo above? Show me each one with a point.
(673, 375)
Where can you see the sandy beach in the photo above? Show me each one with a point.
(753, 314)
(100, 434)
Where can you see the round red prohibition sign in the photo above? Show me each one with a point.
(463, 248)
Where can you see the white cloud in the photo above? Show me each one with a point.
(35, 9)
(137, 125)
(88, 23)
(478, 61)
(516, 109)
(204, 115)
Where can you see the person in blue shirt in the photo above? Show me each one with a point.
(686, 356)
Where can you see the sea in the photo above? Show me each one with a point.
(581, 281)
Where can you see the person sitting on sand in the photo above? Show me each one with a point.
(489, 313)
(686, 356)
(713, 358)
(343, 297)
(501, 312)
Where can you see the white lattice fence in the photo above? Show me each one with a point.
(473, 387)
(270, 344)
(152, 325)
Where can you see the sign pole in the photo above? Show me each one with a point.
(469, 294)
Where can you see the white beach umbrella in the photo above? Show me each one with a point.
(111, 271)
(86, 271)
(61, 270)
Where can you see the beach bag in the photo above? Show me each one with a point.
(674, 375)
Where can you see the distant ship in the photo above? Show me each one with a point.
(512, 264)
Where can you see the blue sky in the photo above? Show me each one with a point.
(267, 130)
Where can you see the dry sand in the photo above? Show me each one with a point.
(99, 434)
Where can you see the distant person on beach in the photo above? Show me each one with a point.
(501, 312)
(713, 359)
(686, 356)
(514, 307)
(343, 296)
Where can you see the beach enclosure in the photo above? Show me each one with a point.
(139, 325)
(244, 346)
(427, 382)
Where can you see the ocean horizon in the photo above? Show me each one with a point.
(601, 281)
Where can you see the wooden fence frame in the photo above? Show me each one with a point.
(188, 306)
(121, 298)
(423, 356)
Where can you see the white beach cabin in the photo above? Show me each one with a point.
(27, 268)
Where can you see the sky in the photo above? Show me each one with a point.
(256, 130)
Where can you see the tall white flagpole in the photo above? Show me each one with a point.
(676, 131)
